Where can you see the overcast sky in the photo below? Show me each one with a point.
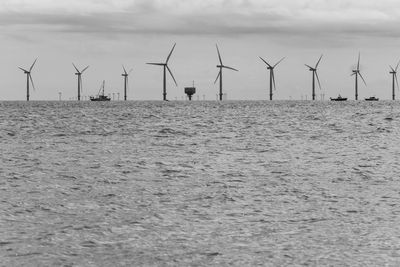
(108, 33)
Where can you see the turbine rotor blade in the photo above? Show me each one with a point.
(308, 66)
(319, 60)
(85, 69)
(358, 63)
(397, 65)
(23, 69)
(34, 62)
(319, 84)
(127, 84)
(124, 70)
(170, 53)
(362, 78)
(392, 68)
(219, 55)
(265, 62)
(30, 78)
(170, 72)
(278, 62)
(219, 74)
(80, 82)
(273, 78)
(76, 68)
(157, 64)
(226, 67)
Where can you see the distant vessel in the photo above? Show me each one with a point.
(100, 96)
(339, 98)
(372, 98)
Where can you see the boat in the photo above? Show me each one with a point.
(339, 98)
(100, 96)
(372, 98)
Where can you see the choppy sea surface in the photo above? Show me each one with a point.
(241, 183)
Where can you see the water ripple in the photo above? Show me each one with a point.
(203, 183)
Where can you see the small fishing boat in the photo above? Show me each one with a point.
(372, 98)
(100, 96)
(339, 98)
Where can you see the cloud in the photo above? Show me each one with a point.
(70, 6)
(276, 17)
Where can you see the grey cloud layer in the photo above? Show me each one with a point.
(217, 17)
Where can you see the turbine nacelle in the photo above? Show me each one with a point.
(126, 74)
(157, 64)
(25, 71)
(78, 72)
(270, 67)
(394, 71)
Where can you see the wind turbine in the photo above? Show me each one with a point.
(357, 72)
(394, 75)
(125, 75)
(314, 74)
(271, 76)
(79, 73)
(28, 79)
(221, 66)
(165, 65)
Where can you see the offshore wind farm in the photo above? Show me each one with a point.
(272, 85)
(284, 154)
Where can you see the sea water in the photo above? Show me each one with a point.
(240, 183)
